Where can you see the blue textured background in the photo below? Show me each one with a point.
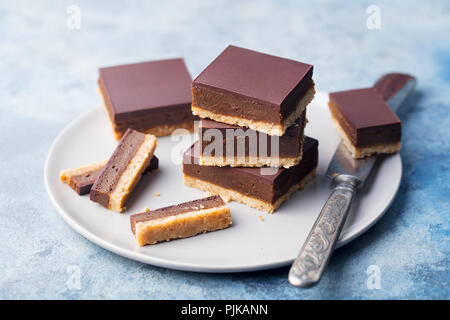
(48, 77)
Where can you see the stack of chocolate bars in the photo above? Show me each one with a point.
(252, 146)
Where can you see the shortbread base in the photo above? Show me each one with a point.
(159, 131)
(166, 130)
(228, 194)
(249, 161)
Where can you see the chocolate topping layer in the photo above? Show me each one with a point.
(135, 90)
(365, 116)
(190, 206)
(289, 143)
(116, 165)
(257, 85)
(251, 181)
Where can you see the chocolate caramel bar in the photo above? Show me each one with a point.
(222, 144)
(251, 89)
(180, 221)
(254, 187)
(151, 97)
(81, 179)
(123, 170)
(366, 123)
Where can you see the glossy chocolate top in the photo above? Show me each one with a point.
(266, 78)
(135, 90)
(364, 108)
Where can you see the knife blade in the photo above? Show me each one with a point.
(347, 174)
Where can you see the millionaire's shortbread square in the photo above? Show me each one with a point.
(252, 89)
(261, 188)
(366, 123)
(151, 97)
(221, 144)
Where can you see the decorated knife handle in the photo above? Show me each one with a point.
(316, 251)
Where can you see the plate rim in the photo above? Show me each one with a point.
(176, 265)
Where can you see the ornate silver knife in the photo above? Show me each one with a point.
(347, 174)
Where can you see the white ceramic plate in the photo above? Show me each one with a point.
(249, 244)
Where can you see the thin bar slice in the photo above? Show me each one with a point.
(180, 221)
(123, 170)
